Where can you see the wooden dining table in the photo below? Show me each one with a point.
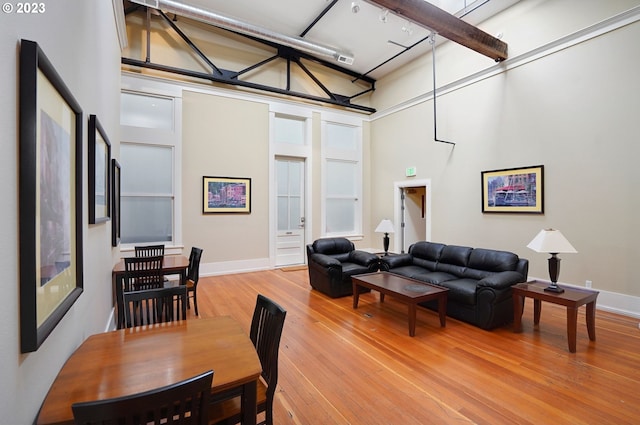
(132, 360)
(171, 264)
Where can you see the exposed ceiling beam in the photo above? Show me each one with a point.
(447, 25)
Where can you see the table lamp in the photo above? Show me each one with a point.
(386, 227)
(553, 242)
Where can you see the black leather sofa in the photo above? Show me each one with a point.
(332, 262)
(479, 280)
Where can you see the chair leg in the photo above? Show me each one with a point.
(195, 301)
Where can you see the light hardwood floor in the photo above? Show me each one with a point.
(344, 366)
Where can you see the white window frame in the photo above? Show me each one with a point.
(171, 138)
(332, 154)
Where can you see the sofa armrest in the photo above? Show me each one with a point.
(325, 260)
(389, 262)
(501, 280)
(363, 258)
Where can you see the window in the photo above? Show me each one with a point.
(150, 158)
(147, 193)
(342, 177)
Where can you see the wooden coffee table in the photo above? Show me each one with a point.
(572, 298)
(404, 289)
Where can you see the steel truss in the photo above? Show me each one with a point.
(224, 76)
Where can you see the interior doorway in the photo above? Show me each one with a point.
(290, 211)
(412, 213)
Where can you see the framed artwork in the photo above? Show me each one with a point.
(99, 165)
(513, 190)
(115, 202)
(50, 197)
(226, 195)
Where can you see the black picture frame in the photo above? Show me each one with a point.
(99, 167)
(115, 202)
(513, 190)
(50, 197)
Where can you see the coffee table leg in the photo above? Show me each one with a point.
(537, 309)
(442, 310)
(518, 302)
(356, 295)
(572, 325)
(591, 320)
(412, 319)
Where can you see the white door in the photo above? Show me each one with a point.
(290, 242)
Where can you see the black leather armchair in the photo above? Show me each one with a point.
(332, 262)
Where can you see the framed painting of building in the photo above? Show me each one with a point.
(226, 195)
(513, 190)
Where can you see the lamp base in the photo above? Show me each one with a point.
(554, 288)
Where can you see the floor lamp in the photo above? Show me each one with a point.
(553, 242)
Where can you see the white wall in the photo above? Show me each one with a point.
(571, 106)
(80, 40)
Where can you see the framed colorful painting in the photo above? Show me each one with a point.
(513, 190)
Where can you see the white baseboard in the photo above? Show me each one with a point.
(627, 305)
(230, 267)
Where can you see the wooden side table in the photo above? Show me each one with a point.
(572, 298)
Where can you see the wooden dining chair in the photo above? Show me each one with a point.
(193, 275)
(266, 330)
(155, 306)
(185, 402)
(143, 273)
(149, 250)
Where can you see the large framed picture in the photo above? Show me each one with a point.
(513, 190)
(115, 202)
(226, 195)
(99, 165)
(50, 199)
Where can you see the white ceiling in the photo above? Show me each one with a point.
(363, 34)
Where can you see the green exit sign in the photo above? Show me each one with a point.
(410, 171)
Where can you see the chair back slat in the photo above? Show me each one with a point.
(193, 272)
(265, 333)
(143, 273)
(185, 402)
(149, 251)
(155, 306)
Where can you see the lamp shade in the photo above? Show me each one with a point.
(385, 226)
(551, 241)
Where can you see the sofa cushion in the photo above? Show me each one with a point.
(436, 278)
(333, 246)
(351, 269)
(409, 271)
(454, 259)
(484, 262)
(426, 254)
(461, 290)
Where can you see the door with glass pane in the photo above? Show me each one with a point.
(290, 232)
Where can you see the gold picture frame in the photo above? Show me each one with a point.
(226, 195)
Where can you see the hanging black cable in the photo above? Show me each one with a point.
(432, 40)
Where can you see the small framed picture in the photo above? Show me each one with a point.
(99, 165)
(513, 190)
(226, 195)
